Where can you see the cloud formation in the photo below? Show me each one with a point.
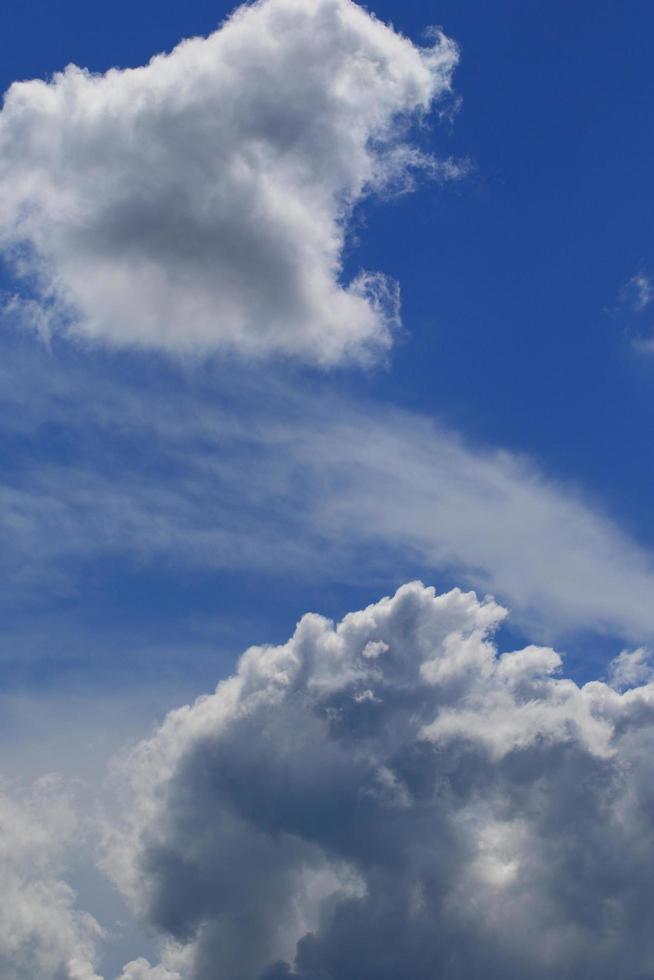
(638, 292)
(491, 517)
(262, 478)
(201, 202)
(42, 933)
(174, 960)
(391, 797)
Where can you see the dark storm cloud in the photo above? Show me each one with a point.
(390, 797)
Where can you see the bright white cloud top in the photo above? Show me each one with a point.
(390, 797)
(201, 202)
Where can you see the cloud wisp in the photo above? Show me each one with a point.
(264, 478)
(635, 299)
(201, 202)
(491, 517)
(638, 292)
(389, 797)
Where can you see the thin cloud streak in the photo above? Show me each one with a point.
(264, 478)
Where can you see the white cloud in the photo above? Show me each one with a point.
(201, 202)
(636, 297)
(42, 933)
(632, 667)
(303, 484)
(479, 815)
(491, 516)
(638, 292)
(174, 960)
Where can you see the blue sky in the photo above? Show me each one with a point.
(515, 333)
(165, 507)
(511, 283)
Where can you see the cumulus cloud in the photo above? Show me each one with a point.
(632, 667)
(392, 797)
(42, 933)
(175, 959)
(201, 202)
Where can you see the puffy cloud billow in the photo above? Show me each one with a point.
(201, 202)
(392, 797)
(42, 932)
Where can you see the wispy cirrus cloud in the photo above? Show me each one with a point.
(638, 292)
(263, 477)
(635, 299)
